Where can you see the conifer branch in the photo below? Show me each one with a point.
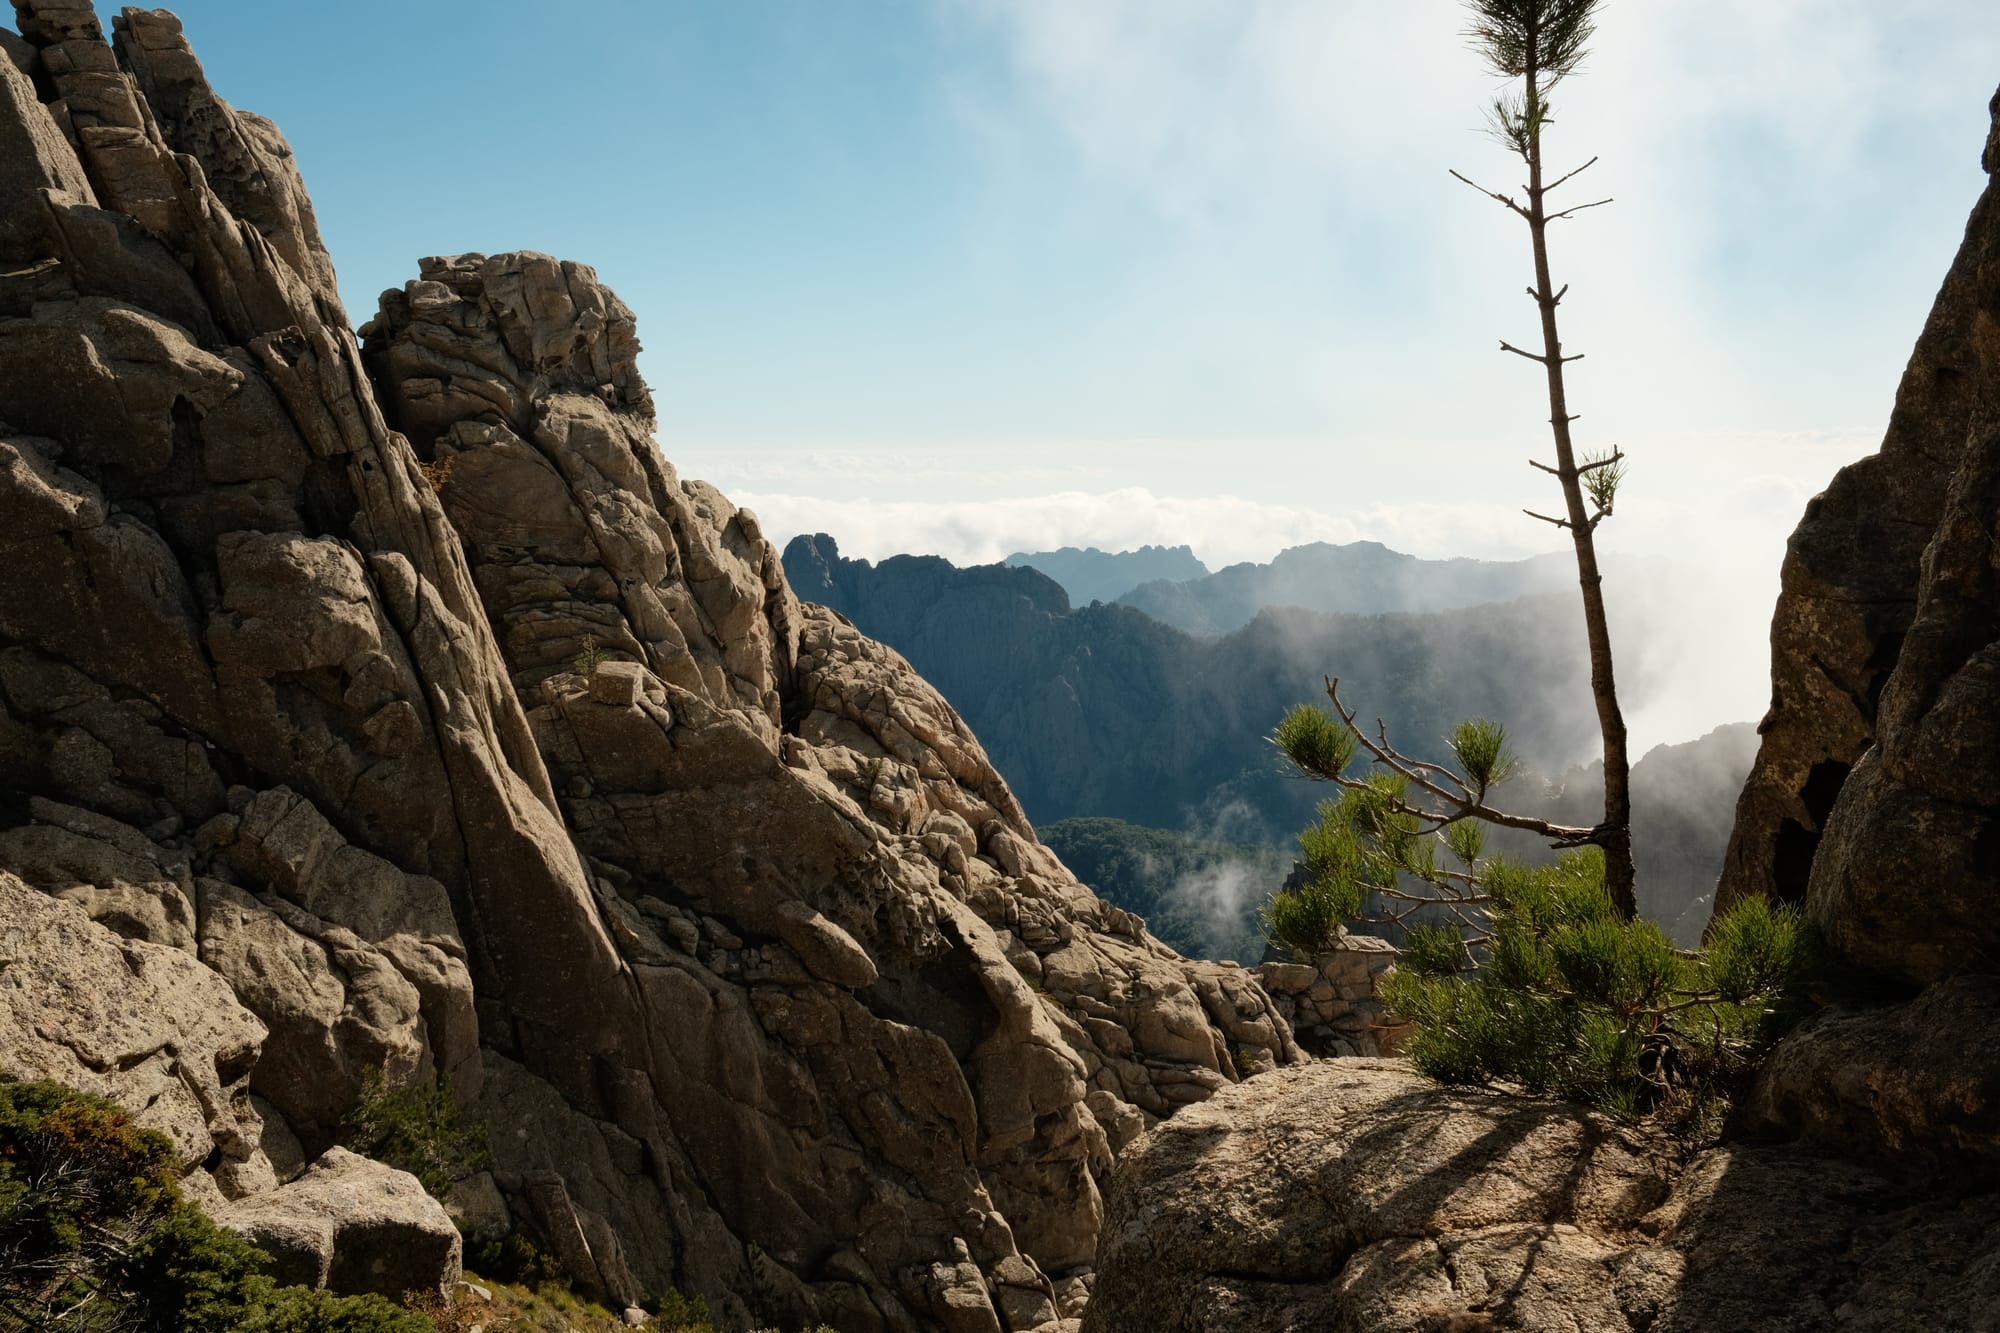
(1572, 212)
(1494, 195)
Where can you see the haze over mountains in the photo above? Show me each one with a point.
(1090, 575)
(1362, 577)
(1104, 711)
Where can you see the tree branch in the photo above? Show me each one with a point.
(1506, 346)
(1617, 456)
(1559, 522)
(1494, 195)
(1561, 835)
(1550, 189)
(1544, 467)
(1572, 212)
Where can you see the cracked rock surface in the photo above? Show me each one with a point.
(393, 703)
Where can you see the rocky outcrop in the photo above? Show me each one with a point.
(1333, 1002)
(408, 705)
(799, 848)
(1353, 1194)
(1851, 578)
(141, 1023)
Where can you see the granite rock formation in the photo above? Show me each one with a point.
(1354, 1194)
(406, 706)
(1850, 589)
(1858, 1186)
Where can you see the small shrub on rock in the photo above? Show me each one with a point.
(95, 1236)
(416, 1129)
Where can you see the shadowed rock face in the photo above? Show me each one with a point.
(412, 700)
(1850, 582)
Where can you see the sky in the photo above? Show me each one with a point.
(974, 276)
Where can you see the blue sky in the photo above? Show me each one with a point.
(974, 275)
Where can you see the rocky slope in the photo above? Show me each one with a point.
(404, 709)
(1859, 1187)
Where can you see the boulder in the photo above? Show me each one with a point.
(1357, 1194)
(351, 1225)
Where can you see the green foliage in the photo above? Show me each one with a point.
(1601, 476)
(1572, 1000)
(589, 657)
(1307, 919)
(415, 1129)
(1315, 741)
(512, 1258)
(1550, 35)
(95, 1237)
(1480, 746)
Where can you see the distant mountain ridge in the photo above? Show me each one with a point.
(1355, 577)
(1090, 575)
(1103, 711)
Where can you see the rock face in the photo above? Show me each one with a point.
(1851, 578)
(407, 706)
(1859, 1184)
(1353, 1194)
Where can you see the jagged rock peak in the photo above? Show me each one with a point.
(497, 747)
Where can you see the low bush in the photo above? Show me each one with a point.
(95, 1236)
(416, 1129)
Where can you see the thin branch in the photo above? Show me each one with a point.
(1544, 467)
(1506, 346)
(1558, 299)
(1559, 522)
(1493, 195)
(1548, 189)
(1563, 835)
(1617, 455)
(1572, 212)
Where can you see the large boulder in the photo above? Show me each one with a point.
(1354, 1194)
(352, 1225)
(141, 1023)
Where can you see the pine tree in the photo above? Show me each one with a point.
(1540, 43)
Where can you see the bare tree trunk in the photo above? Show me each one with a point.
(1615, 834)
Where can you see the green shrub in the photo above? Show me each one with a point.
(94, 1236)
(1524, 974)
(1562, 996)
(512, 1258)
(416, 1129)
